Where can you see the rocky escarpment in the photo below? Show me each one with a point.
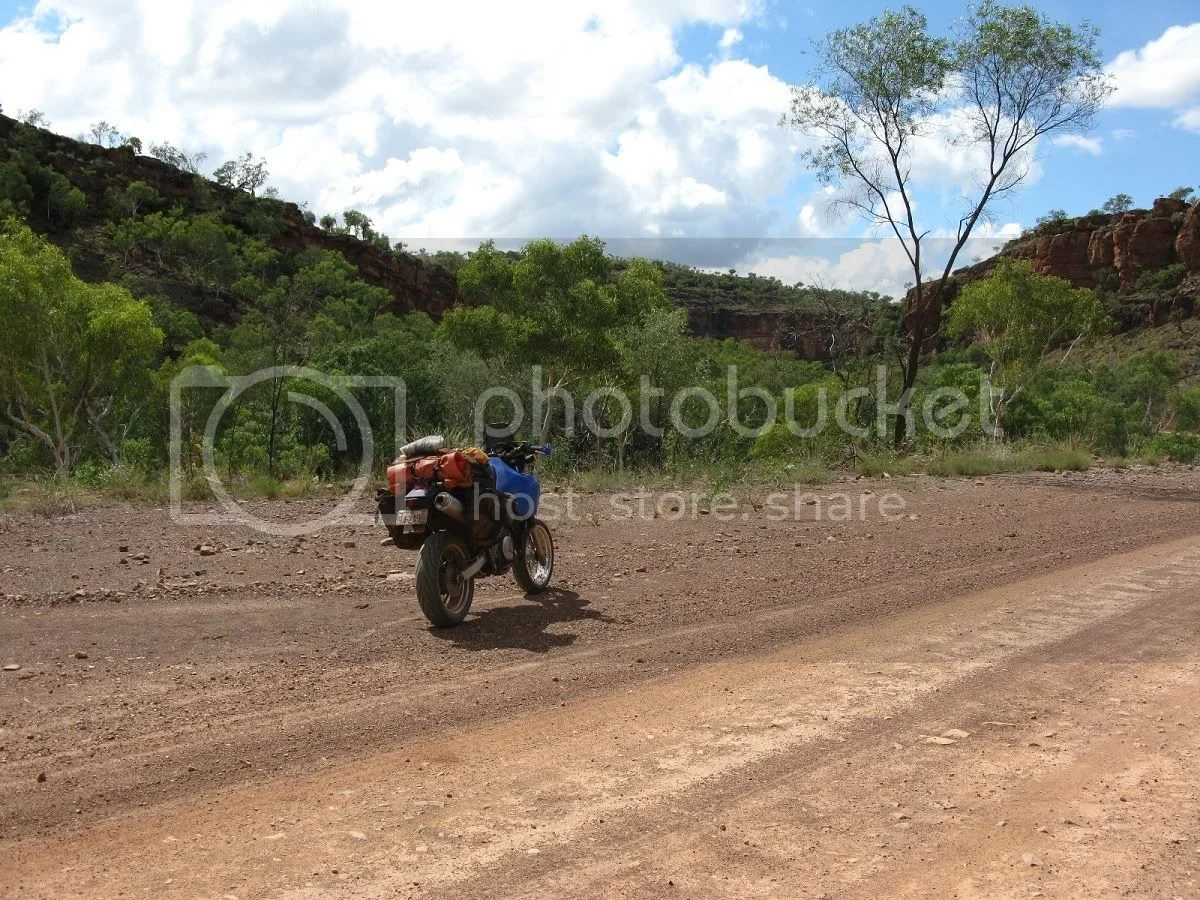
(414, 283)
(1119, 255)
(763, 329)
(1113, 252)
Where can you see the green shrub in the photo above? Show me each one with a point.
(1070, 409)
(1163, 279)
(129, 483)
(1187, 409)
(138, 454)
(25, 455)
(1056, 459)
(970, 462)
(90, 473)
(266, 486)
(777, 442)
(1174, 445)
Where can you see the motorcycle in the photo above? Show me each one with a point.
(468, 516)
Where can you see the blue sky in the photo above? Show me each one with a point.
(650, 122)
(1155, 158)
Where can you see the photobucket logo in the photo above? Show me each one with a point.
(749, 411)
(285, 380)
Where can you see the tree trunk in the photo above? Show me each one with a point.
(911, 365)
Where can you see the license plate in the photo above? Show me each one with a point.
(412, 517)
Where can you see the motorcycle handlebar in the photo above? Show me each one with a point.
(522, 451)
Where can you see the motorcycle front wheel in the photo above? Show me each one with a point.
(534, 564)
(444, 594)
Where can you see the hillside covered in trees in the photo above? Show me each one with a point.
(125, 267)
(74, 190)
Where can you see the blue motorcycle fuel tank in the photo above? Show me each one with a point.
(525, 489)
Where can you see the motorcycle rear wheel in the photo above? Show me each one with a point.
(443, 593)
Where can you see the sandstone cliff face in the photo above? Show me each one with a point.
(764, 329)
(415, 285)
(1108, 252)
(1187, 243)
(1129, 244)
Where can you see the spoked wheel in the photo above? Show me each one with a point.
(534, 564)
(444, 594)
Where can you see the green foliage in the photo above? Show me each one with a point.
(556, 303)
(137, 198)
(1018, 318)
(1164, 279)
(64, 201)
(15, 188)
(180, 327)
(246, 173)
(180, 159)
(880, 86)
(1187, 409)
(961, 463)
(1060, 407)
(1147, 378)
(1182, 193)
(778, 442)
(103, 134)
(1054, 216)
(1176, 446)
(139, 454)
(68, 349)
(359, 224)
(201, 248)
(691, 286)
(33, 117)
(216, 293)
(1117, 204)
(1056, 459)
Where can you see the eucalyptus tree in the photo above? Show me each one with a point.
(1007, 77)
(69, 351)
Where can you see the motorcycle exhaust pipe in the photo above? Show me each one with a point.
(450, 506)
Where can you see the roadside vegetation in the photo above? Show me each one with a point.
(111, 289)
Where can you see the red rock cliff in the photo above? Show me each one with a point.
(1109, 253)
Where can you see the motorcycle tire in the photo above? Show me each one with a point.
(443, 594)
(534, 565)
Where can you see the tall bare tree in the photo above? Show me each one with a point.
(1006, 78)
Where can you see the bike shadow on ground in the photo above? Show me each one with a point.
(523, 624)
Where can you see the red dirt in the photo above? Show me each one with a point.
(698, 708)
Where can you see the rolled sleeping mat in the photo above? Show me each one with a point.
(423, 447)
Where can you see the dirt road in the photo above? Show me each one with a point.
(994, 695)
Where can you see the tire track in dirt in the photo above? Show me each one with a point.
(244, 735)
(649, 759)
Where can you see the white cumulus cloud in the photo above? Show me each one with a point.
(458, 120)
(1164, 73)
(1094, 146)
(1189, 119)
